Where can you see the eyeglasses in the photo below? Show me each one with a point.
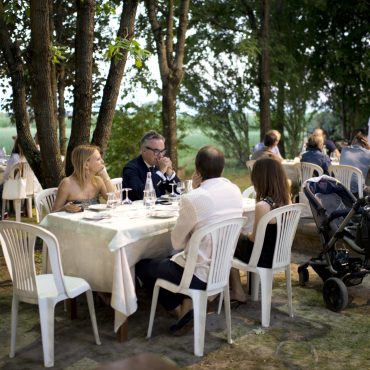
(157, 152)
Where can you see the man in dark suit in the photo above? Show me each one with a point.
(152, 158)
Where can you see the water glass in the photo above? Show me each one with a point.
(149, 198)
(111, 201)
(188, 185)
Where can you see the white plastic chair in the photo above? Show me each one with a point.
(249, 192)
(117, 182)
(344, 174)
(224, 236)
(307, 170)
(287, 220)
(28, 174)
(46, 290)
(44, 200)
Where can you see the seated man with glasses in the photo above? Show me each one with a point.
(152, 158)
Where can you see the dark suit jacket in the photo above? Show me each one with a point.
(134, 177)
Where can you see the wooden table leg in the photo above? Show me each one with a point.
(122, 333)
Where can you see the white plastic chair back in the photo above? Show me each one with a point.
(18, 242)
(345, 173)
(287, 219)
(117, 182)
(307, 170)
(44, 200)
(249, 192)
(224, 235)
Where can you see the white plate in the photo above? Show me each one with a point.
(163, 214)
(97, 207)
(98, 217)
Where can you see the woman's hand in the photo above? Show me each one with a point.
(103, 174)
(72, 208)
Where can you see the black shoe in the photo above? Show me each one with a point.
(183, 325)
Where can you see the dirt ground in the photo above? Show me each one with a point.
(315, 338)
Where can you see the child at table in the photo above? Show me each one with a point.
(272, 191)
(87, 183)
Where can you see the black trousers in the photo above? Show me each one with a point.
(149, 270)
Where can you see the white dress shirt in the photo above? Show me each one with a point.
(215, 199)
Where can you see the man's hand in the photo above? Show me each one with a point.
(165, 166)
(197, 179)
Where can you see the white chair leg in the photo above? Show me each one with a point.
(220, 300)
(266, 292)
(17, 209)
(152, 310)
(226, 295)
(288, 280)
(46, 311)
(90, 303)
(255, 283)
(29, 207)
(36, 210)
(14, 322)
(200, 312)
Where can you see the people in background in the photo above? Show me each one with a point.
(214, 198)
(87, 183)
(270, 146)
(328, 146)
(357, 155)
(272, 191)
(152, 159)
(275, 149)
(314, 153)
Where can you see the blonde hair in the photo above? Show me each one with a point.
(80, 155)
(269, 180)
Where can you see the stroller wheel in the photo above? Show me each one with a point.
(304, 276)
(335, 294)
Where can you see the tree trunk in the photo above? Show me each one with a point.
(82, 96)
(280, 114)
(42, 96)
(169, 93)
(171, 62)
(13, 59)
(264, 71)
(111, 90)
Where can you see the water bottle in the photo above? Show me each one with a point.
(149, 192)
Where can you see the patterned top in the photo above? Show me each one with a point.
(88, 202)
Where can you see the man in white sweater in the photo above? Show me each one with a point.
(214, 198)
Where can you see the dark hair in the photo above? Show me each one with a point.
(270, 139)
(361, 140)
(269, 180)
(209, 162)
(150, 135)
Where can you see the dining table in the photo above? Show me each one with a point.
(102, 245)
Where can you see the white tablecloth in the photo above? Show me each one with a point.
(105, 252)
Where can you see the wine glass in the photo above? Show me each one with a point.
(173, 194)
(127, 200)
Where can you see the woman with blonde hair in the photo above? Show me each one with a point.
(87, 183)
(272, 191)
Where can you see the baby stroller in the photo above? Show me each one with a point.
(338, 216)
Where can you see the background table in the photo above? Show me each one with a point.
(105, 252)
